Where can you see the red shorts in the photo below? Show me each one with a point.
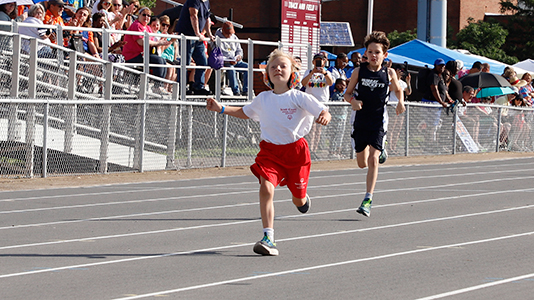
(284, 165)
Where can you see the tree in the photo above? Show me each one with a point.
(396, 38)
(521, 27)
(147, 3)
(486, 39)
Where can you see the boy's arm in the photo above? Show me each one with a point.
(213, 105)
(356, 104)
(395, 87)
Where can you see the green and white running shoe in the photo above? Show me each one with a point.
(266, 247)
(383, 156)
(365, 207)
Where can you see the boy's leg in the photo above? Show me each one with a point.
(372, 171)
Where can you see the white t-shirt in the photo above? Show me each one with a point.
(317, 86)
(284, 118)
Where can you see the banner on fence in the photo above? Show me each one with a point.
(465, 137)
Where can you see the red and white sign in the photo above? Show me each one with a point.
(301, 24)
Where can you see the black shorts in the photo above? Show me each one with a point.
(364, 137)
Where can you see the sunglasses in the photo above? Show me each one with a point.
(117, 4)
(165, 25)
(145, 15)
(106, 3)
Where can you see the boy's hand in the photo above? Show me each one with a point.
(324, 118)
(213, 105)
(356, 104)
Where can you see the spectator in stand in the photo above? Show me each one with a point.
(298, 67)
(468, 117)
(131, 11)
(475, 68)
(455, 86)
(36, 16)
(437, 93)
(7, 13)
(519, 136)
(53, 16)
(170, 52)
(316, 81)
(133, 49)
(81, 19)
(508, 72)
(117, 17)
(339, 118)
(527, 91)
(338, 69)
(485, 68)
(194, 18)
(396, 123)
(233, 58)
(356, 59)
(115, 50)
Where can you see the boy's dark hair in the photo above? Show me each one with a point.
(378, 37)
(339, 80)
(467, 89)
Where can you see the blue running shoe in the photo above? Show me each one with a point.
(266, 247)
(365, 207)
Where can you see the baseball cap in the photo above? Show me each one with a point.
(439, 62)
(57, 2)
(318, 55)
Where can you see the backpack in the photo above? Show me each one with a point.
(423, 83)
(216, 58)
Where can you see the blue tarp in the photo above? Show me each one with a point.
(398, 59)
(428, 53)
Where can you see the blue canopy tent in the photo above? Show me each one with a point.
(428, 53)
(395, 58)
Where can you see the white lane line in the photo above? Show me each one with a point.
(255, 190)
(314, 236)
(477, 287)
(226, 185)
(317, 267)
(254, 203)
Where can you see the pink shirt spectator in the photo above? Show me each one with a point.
(526, 92)
(463, 72)
(132, 49)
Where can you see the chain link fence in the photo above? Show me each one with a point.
(47, 138)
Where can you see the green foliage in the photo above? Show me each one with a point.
(486, 39)
(396, 38)
(520, 42)
(147, 3)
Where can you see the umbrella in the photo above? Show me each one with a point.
(484, 80)
(494, 91)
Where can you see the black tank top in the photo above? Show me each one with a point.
(373, 91)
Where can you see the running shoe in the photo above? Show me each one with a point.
(365, 207)
(266, 247)
(304, 208)
(383, 155)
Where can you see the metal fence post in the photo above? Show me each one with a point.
(499, 125)
(139, 126)
(45, 140)
(183, 67)
(70, 109)
(171, 138)
(190, 136)
(407, 122)
(250, 75)
(31, 112)
(142, 136)
(224, 140)
(15, 66)
(106, 121)
(455, 118)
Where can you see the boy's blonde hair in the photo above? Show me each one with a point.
(274, 55)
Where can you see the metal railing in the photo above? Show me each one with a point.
(53, 121)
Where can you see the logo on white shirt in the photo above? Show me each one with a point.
(289, 112)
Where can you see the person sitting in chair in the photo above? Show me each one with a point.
(233, 57)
